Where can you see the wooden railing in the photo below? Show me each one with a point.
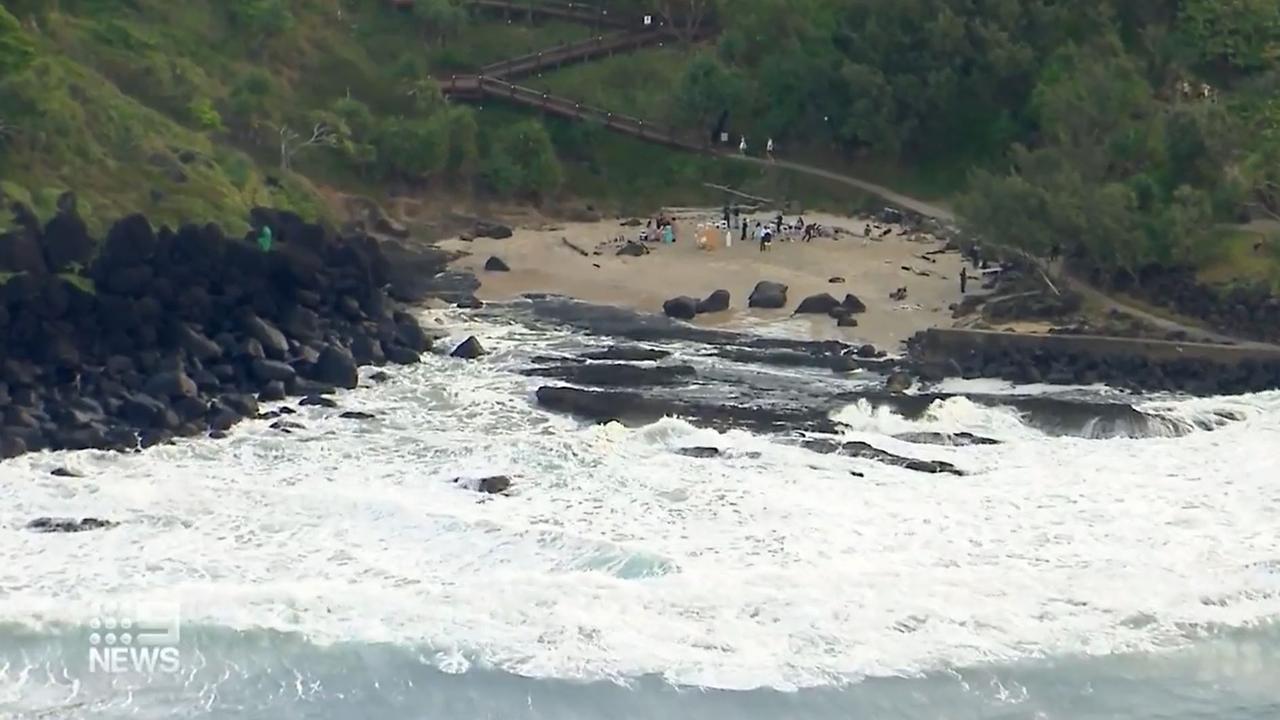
(568, 53)
(477, 86)
(583, 12)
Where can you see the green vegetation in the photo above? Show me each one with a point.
(1121, 133)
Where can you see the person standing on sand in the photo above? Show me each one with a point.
(737, 215)
(964, 279)
(728, 236)
(743, 227)
(668, 234)
(760, 235)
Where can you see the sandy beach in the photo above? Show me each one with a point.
(542, 260)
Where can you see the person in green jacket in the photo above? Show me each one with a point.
(264, 238)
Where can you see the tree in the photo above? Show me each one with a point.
(413, 149)
(688, 17)
(707, 89)
(291, 143)
(249, 96)
(521, 161)
(260, 19)
(1240, 34)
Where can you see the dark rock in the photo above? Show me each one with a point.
(410, 333)
(171, 384)
(243, 405)
(836, 280)
(867, 351)
(626, 353)
(272, 391)
(273, 370)
(470, 303)
(641, 409)
(698, 452)
(769, 295)
(618, 375)
(402, 355)
(380, 377)
(847, 321)
(898, 381)
(497, 231)
(64, 472)
(940, 438)
(717, 301)
(269, 336)
(287, 426)
(368, 351)
(317, 401)
(356, 415)
(853, 304)
(336, 367)
(819, 304)
(491, 485)
(495, 264)
(11, 446)
(868, 452)
(682, 308)
(20, 253)
(469, 349)
(68, 525)
(142, 410)
(194, 342)
(633, 249)
(67, 243)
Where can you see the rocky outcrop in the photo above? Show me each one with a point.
(496, 264)
(869, 452)
(627, 353)
(770, 295)
(641, 409)
(68, 525)
(172, 333)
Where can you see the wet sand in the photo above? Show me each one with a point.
(541, 261)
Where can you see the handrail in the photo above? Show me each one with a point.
(572, 52)
(582, 12)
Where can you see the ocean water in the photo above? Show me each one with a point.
(1077, 570)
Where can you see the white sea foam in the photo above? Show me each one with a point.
(615, 556)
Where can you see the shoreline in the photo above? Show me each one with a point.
(541, 260)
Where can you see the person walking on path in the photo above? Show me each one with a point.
(742, 145)
(768, 148)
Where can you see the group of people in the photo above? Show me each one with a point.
(661, 229)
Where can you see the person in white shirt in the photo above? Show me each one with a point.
(742, 146)
(768, 148)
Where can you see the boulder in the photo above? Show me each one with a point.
(336, 367)
(273, 342)
(20, 253)
(469, 349)
(67, 243)
(717, 301)
(11, 446)
(497, 231)
(273, 370)
(402, 355)
(410, 333)
(318, 401)
(837, 280)
(470, 302)
(171, 384)
(356, 415)
(626, 353)
(847, 321)
(698, 452)
(819, 304)
(272, 391)
(683, 308)
(769, 295)
(898, 381)
(633, 249)
(495, 264)
(196, 343)
(853, 304)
